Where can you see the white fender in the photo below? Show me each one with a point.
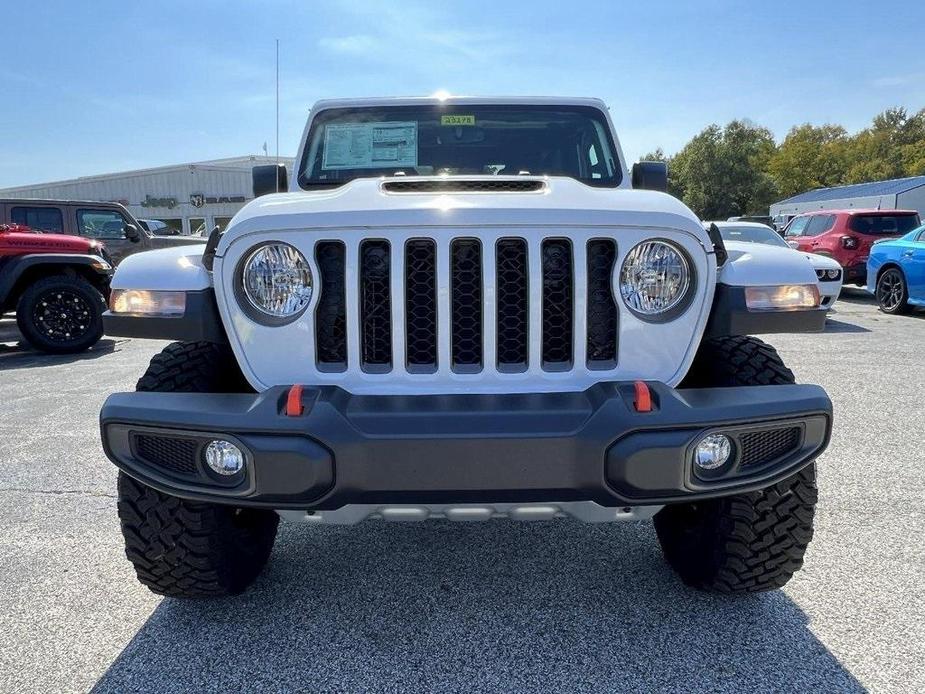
(167, 269)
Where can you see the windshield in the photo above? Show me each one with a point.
(752, 235)
(432, 140)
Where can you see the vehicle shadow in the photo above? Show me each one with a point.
(837, 326)
(860, 297)
(22, 356)
(495, 606)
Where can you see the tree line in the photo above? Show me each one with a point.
(739, 169)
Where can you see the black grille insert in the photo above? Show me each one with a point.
(375, 306)
(173, 454)
(421, 304)
(762, 447)
(463, 186)
(602, 309)
(558, 308)
(331, 314)
(466, 304)
(513, 296)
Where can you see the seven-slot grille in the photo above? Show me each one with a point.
(489, 284)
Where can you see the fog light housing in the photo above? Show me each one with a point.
(713, 451)
(224, 458)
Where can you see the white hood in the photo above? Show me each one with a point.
(364, 204)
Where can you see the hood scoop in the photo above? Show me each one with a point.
(465, 185)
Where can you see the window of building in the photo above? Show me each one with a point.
(222, 222)
(40, 218)
(197, 226)
(172, 227)
(100, 224)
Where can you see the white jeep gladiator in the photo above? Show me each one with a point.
(464, 308)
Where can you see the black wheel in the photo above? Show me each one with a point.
(748, 542)
(183, 548)
(892, 292)
(61, 314)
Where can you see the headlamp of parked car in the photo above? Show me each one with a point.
(828, 275)
(785, 297)
(276, 283)
(142, 302)
(656, 280)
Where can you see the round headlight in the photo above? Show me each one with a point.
(655, 278)
(277, 280)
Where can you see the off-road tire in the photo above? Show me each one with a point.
(191, 549)
(748, 542)
(91, 301)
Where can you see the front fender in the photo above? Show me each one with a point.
(94, 267)
(178, 269)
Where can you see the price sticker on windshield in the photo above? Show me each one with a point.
(457, 120)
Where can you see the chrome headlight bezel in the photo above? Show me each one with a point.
(682, 300)
(251, 305)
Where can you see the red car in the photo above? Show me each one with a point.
(847, 235)
(57, 285)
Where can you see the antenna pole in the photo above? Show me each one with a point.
(277, 112)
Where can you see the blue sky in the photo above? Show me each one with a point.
(132, 85)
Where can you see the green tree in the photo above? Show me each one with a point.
(890, 148)
(723, 171)
(809, 157)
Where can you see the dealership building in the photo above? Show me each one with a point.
(895, 194)
(186, 197)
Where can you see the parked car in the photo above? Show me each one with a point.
(847, 235)
(737, 236)
(56, 284)
(760, 219)
(896, 272)
(386, 342)
(101, 221)
(158, 228)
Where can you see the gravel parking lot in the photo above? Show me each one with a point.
(495, 606)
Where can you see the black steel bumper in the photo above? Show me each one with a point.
(347, 448)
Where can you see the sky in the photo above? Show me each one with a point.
(104, 86)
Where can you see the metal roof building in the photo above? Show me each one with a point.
(187, 197)
(895, 194)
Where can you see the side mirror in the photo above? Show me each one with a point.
(271, 178)
(650, 175)
(131, 233)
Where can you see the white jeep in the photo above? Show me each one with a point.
(464, 309)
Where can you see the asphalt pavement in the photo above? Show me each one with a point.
(497, 606)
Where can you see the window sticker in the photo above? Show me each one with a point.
(457, 120)
(370, 145)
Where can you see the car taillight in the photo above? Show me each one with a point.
(849, 242)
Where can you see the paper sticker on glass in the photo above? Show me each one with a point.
(370, 145)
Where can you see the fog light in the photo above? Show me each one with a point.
(224, 457)
(713, 451)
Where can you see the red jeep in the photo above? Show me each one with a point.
(57, 285)
(847, 235)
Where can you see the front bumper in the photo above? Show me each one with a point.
(364, 449)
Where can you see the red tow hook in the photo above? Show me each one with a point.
(294, 401)
(643, 400)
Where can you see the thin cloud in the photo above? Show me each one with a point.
(357, 44)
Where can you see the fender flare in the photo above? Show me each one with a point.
(15, 267)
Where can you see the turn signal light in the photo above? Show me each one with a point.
(785, 297)
(142, 302)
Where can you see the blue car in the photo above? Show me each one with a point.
(896, 272)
